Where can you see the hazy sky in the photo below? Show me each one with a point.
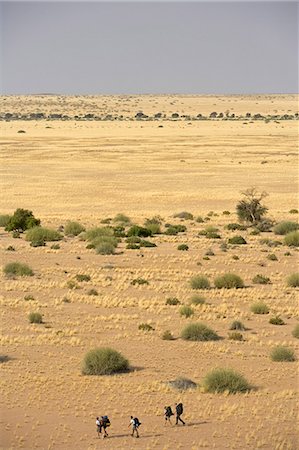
(148, 47)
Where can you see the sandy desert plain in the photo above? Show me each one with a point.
(91, 170)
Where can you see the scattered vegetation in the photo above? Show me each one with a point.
(40, 235)
(229, 281)
(293, 280)
(197, 300)
(199, 332)
(92, 292)
(282, 353)
(222, 380)
(235, 226)
(199, 282)
(184, 215)
(4, 220)
(259, 308)
(104, 361)
(137, 230)
(122, 218)
(272, 257)
(18, 269)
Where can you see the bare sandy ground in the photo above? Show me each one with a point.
(89, 171)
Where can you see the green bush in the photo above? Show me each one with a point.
(82, 277)
(4, 220)
(199, 219)
(222, 380)
(237, 240)
(295, 331)
(276, 320)
(139, 281)
(186, 311)
(282, 353)
(261, 279)
(235, 226)
(197, 300)
(270, 242)
(18, 269)
(104, 361)
(237, 325)
(133, 246)
(105, 248)
(35, 317)
(94, 233)
(21, 220)
(183, 247)
(167, 336)
(40, 234)
(137, 230)
(199, 282)
(235, 257)
(119, 231)
(145, 327)
(145, 243)
(73, 228)
(226, 213)
(229, 281)
(28, 298)
(173, 230)
(285, 227)
(259, 308)
(184, 215)
(172, 301)
(272, 257)
(154, 228)
(292, 239)
(235, 336)
(293, 211)
(92, 292)
(293, 280)
(122, 218)
(199, 332)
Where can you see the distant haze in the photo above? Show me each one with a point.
(149, 47)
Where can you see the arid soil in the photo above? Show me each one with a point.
(91, 170)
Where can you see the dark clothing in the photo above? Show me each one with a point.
(179, 412)
(178, 418)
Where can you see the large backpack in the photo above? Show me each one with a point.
(136, 422)
(179, 409)
(106, 421)
(169, 411)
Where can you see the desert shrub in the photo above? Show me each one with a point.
(210, 252)
(182, 384)
(71, 284)
(223, 246)
(221, 380)
(282, 353)
(104, 361)
(184, 215)
(173, 230)
(145, 327)
(92, 292)
(133, 246)
(37, 243)
(21, 220)
(35, 317)
(235, 257)
(172, 301)
(16, 234)
(66, 300)
(139, 281)
(292, 239)
(4, 220)
(295, 331)
(199, 332)
(40, 234)
(272, 257)
(119, 231)
(259, 308)
(226, 213)
(213, 235)
(145, 243)
(199, 282)
(73, 228)
(237, 240)
(229, 281)
(167, 336)
(207, 230)
(154, 228)
(287, 254)
(264, 225)
(293, 280)
(293, 211)
(237, 325)
(254, 232)
(261, 279)
(199, 219)
(186, 311)
(122, 218)
(4, 358)
(276, 320)
(270, 242)
(133, 240)
(93, 233)
(285, 227)
(55, 247)
(250, 209)
(10, 248)
(18, 269)
(106, 248)
(82, 277)
(235, 336)
(235, 226)
(197, 300)
(183, 247)
(28, 297)
(137, 230)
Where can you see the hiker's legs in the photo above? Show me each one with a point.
(178, 418)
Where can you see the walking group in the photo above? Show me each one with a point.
(103, 422)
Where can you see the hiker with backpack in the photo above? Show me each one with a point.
(135, 424)
(179, 411)
(167, 414)
(102, 423)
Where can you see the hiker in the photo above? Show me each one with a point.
(102, 423)
(179, 411)
(167, 414)
(134, 423)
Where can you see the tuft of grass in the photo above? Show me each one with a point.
(285, 227)
(82, 277)
(28, 297)
(199, 282)
(137, 230)
(55, 247)
(145, 243)
(106, 247)
(145, 327)
(293, 211)
(183, 247)
(18, 269)
(172, 301)
(276, 320)
(173, 230)
(237, 325)
(93, 233)
(293, 280)
(292, 239)
(184, 215)
(182, 384)
(282, 353)
(73, 228)
(139, 281)
(237, 240)
(104, 361)
(167, 336)
(199, 219)
(225, 380)
(229, 281)
(235, 226)
(4, 220)
(295, 331)
(92, 292)
(261, 279)
(259, 308)
(226, 213)
(35, 317)
(272, 257)
(186, 311)
(122, 218)
(235, 336)
(199, 332)
(40, 234)
(197, 300)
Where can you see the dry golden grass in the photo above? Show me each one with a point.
(88, 171)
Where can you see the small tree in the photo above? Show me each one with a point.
(250, 209)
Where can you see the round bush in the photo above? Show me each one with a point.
(186, 311)
(172, 301)
(259, 308)
(221, 380)
(40, 234)
(197, 300)
(237, 325)
(282, 353)
(104, 361)
(137, 230)
(260, 279)
(293, 280)
(73, 228)
(167, 336)
(235, 336)
(199, 282)
(183, 247)
(199, 332)
(18, 269)
(35, 317)
(295, 331)
(276, 320)
(105, 248)
(237, 240)
(229, 281)
(285, 227)
(292, 239)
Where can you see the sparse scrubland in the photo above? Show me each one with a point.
(143, 259)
